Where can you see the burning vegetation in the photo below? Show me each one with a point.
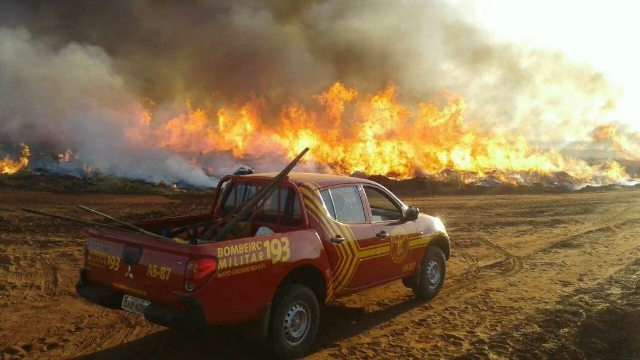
(374, 135)
(267, 79)
(8, 166)
(620, 143)
(371, 134)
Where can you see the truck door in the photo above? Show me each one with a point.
(357, 250)
(396, 257)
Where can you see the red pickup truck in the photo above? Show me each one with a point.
(315, 238)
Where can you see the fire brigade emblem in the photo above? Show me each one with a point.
(399, 245)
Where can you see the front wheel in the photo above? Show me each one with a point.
(432, 273)
(294, 324)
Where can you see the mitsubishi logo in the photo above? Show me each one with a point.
(128, 273)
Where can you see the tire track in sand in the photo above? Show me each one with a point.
(9, 341)
(509, 266)
(50, 276)
(28, 278)
(95, 338)
(135, 327)
(123, 329)
(46, 278)
(513, 264)
(602, 228)
(472, 264)
(91, 342)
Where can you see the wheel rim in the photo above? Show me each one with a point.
(296, 323)
(434, 274)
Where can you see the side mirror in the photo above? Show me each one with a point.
(411, 213)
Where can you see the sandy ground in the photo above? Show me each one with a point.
(531, 277)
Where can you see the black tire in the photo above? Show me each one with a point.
(430, 284)
(293, 305)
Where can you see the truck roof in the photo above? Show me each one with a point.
(321, 180)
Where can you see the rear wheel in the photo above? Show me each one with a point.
(294, 322)
(432, 273)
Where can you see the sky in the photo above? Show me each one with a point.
(601, 33)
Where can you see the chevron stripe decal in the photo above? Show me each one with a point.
(350, 253)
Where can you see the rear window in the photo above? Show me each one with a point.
(282, 206)
(237, 194)
(224, 188)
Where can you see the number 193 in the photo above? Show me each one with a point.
(278, 250)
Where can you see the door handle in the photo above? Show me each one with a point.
(382, 235)
(338, 239)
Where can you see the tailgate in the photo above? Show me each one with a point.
(137, 265)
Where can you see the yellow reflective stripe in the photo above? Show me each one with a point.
(344, 254)
(327, 227)
(329, 290)
(342, 257)
(350, 254)
(367, 253)
(348, 248)
(423, 240)
(352, 248)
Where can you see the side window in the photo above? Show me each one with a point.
(344, 204)
(382, 208)
(328, 203)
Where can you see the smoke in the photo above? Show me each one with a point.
(627, 145)
(75, 74)
(529, 91)
(70, 97)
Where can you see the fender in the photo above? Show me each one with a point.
(313, 255)
(433, 232)
(320, 263)
(241, 263)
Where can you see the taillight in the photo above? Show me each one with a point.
(198, 272)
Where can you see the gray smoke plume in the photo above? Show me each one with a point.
(71, 98)
(71, 73)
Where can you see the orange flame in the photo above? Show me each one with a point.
(67, 156)
(621, 144)
(194, 131)
(7, 166)
(373, 134)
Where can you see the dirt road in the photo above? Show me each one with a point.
(531, 277)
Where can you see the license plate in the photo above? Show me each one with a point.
(134, 304)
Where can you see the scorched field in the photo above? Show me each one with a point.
(531, 277)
